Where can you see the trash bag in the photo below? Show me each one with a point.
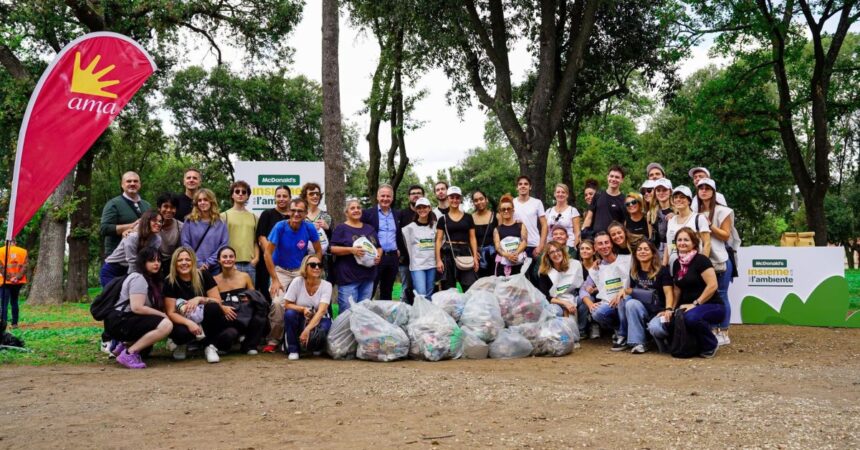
(370, 253)
(555, 337)
(485, 284)
(510, 344)
(393, 312)
(481, 316)
(340, 342)
(377, 339)
(519, 300)
(474, 347)
(451, 301)
(433, 334)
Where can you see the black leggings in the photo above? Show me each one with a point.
(451, 274)
(220, 332)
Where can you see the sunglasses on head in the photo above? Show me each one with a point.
(315, 265)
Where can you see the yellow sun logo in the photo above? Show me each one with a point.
(85, 81)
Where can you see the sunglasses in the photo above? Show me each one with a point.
(315, 265)
(506, 209)
(629, 204)
(646, 190)
(297, 211)
(315, 194)
(240, 192)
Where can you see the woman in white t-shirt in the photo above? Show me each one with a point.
(560, 280)
(565, 215)
(419, 236)
(306, 308)
(720, 219)
(682, 198)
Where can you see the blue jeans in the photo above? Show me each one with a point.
(358, 292)
(110, 271)
(422, 281)
(294, 324)
(9, 294)
(608, 317)
(723, 281)
(634, 319)
(247, 268)
(699, 320)
(581, 316)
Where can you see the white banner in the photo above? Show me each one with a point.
(792, 285)
(265, 176)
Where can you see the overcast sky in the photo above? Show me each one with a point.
(445, 137)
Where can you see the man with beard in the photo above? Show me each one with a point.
(191, 180)
(441, 191)
(267, 221)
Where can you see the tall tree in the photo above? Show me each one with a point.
(780, 30)
(335, 173)
(473, 42)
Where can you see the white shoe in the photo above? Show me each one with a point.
(293, 356)
(104, 347)
(171, 346)
(722, 338)
(211, 354)
(252, 352)
(180, 352)
(595, 331)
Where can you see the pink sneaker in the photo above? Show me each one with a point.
(130, 360)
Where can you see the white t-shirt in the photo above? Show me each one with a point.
(674, 226)
(613, 277)
(528, 214)
(721, 200)
(719, 254)
(564, 219)
(565, 285)
(298, 294)
(420, 242)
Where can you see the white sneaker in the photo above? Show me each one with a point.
(595, 331)
(171, 346)
(293, 356)
(180, 352)
(104, 347)
(211, 354)
(722, 338)
(252, 352)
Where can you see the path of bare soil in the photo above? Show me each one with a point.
(774, 387)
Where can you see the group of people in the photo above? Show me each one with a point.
(627, 267)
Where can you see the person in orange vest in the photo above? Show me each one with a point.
(13, 266)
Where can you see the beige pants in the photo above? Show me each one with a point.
(276, 311)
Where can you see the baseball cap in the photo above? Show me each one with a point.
(648, 184)
(709, 182)
(683, 190)
(663, 182)
(699, 169)
(654, 165)
(454, 190)
(422, 202)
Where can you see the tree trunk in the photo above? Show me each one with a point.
(566, 152)
(81, 229)
(398, 127)
(849, 254)
(47, 285)
(335, 173)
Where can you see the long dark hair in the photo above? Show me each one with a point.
(144, 229)
(153, 280)
(491, 205)
(710, 205)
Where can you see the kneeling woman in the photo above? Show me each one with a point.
(560, 280)
(231, 284)
(649, 292)
(306, 304)
(138, 320)
(187, 288)
(696, 294)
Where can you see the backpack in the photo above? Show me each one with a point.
(105, 303)
(682, 345)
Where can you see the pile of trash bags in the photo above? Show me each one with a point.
(500, 317)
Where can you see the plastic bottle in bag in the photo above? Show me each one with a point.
(519, 300)
(377, 339)
(433, 334)
(510, 344)
(481, 316)
(393, 312)
(451, 301)
(340, 342)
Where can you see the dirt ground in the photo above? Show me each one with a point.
(774, 387)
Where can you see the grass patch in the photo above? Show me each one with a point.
(62, 334)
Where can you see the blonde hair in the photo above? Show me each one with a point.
(303, 270)
(214, 211)
(546, 262)
(565, 188)
(196, 276)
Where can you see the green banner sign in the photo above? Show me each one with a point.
(278, 180)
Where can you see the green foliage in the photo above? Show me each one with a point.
(853, 279)
(492, 169)
(827, 306)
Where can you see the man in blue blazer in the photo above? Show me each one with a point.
(386, 221)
